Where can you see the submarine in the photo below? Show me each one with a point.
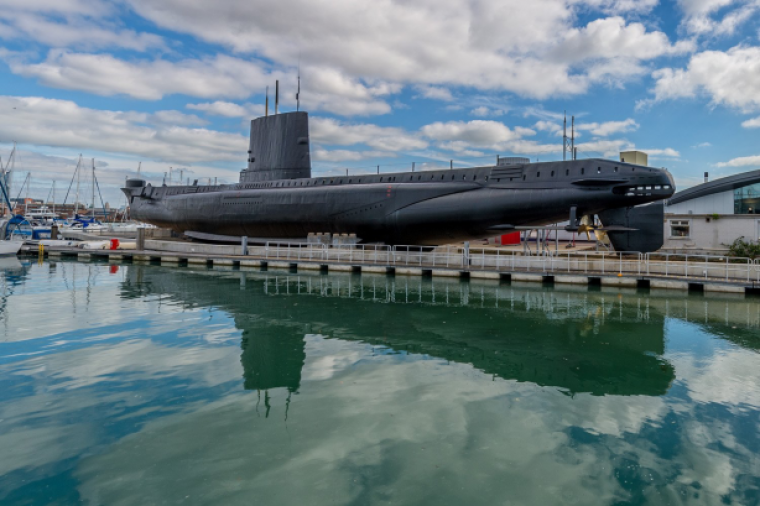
(278, 199)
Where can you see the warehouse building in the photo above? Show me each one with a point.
(708, 217)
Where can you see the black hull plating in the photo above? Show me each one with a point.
(428, 208)
(277, 197)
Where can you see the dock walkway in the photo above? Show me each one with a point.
(674, 272)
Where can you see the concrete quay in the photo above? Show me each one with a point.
(182, 253)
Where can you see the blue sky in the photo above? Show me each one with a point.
(174, 83)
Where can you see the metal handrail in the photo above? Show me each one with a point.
(684, 266)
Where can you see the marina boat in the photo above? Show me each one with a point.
(87, 224)
(19, 228)
(9, 248)
(45, 216)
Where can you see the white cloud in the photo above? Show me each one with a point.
(743, 161)
(702, 145)
(606, 147)
(660, 153)
(229, 109)
(102, 74)
(173, 118)
(330, 131)
(612, 38)
(484, 111)
(461, 137)
(75, 31)
(701, 16)
(330, 90)
(62, 123)
(362, 53)
(476, 132)
(622, 6)
(435, 93)
(608, 128)
(752, 123)
(344, 155)
(218, 77)
(548, 126)
(729, 78)
(509, 45)
(62, 7)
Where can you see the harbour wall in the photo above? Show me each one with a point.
(701, 274)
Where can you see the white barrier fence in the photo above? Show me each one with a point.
(601, 263)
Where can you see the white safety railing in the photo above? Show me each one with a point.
(690, 267)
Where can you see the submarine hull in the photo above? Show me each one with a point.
(278, 198)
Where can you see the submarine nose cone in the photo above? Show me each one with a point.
(670, 181)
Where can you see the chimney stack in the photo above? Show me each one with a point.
(706, 177)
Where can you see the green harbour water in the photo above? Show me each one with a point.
(146, 384)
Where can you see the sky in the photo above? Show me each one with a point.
(173, 84)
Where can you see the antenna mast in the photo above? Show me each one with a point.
(298, 93)
(564, 138)
(568, 142)
(266, 103)
(572, 140)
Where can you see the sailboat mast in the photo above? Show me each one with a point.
(9, 173)
(26, 199)
(2, 177)
(76, 198)
(93, 188)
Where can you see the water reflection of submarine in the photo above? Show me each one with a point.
(495, 329)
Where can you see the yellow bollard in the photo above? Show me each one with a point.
(41, 250)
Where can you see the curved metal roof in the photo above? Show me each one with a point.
(717, 186)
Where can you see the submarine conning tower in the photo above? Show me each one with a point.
(279, 148)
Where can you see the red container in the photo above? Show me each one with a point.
(114, 244)
(510, 239)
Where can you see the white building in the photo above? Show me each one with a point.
(708, 217)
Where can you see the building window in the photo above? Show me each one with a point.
(747, 199)
(680, 228)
